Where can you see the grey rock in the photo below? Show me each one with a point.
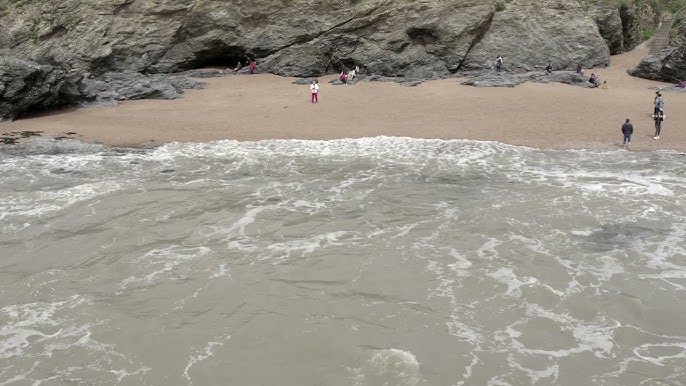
(529, 35)
(494, 79)
(206, 73)
(562, 77)
(26, 86)
(607, 18)
(112, 87)
(303, 81)
(669, 65)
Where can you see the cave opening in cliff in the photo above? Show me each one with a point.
(222, 56)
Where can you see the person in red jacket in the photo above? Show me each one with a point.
(253, 65)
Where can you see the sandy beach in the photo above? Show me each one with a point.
(257, 107)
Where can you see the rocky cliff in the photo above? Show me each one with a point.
(82, 39)
(669, 65)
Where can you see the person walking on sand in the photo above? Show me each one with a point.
(498, 63)
(253, 65)
(659, 117)
(627, 130)
(314, 89)
(659, 103)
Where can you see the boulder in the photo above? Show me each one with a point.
(110, 88)
(669, 65)
(494, 79)
(607, 17)
(27, 86)
(529, 35)
(573, 79)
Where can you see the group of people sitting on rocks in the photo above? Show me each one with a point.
(593, 79)
(348, 76)
(252, 65)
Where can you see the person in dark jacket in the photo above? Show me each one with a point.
(659, 117)
(627, 130)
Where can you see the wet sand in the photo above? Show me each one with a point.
(257, 107)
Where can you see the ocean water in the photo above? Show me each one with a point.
(380, 261)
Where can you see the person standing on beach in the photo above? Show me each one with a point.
(627, 130)
(253, 65)
(498, 63)
(659, 103)
(314, 89)
(659, 117)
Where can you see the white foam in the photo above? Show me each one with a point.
(223, 272)
(41, 203)
(595, 338)
(201, 355)
(506, 276)
(26, 321)
(389, 367)
(161, 262)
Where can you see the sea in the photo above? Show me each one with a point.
(376, 261)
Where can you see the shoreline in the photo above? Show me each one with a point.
(263, 106)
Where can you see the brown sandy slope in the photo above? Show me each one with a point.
(259, 107)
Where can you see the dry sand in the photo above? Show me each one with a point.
(555, 116)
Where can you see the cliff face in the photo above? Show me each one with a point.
(301, 37)
(400, 38)
(669, 65)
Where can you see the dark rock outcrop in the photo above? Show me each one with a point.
(668, 65)
(573, 79)
(112, 87)
(609, 21)
(494, 79)
(27, 86)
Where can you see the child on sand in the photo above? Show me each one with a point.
(314, 89)
(343, 77)
(253, 65)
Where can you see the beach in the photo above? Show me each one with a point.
(263, 106)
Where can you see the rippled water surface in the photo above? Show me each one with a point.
(383, 261)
